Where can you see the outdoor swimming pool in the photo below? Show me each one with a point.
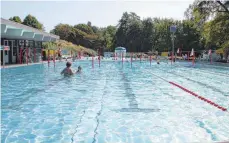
(114, 103)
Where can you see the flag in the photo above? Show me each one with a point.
(178, 50)
(210, 52)
(192, 52)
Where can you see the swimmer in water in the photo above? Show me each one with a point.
(79, 69)
(67, 71)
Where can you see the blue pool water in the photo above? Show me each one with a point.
(114, 103)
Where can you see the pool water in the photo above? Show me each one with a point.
(114, 103)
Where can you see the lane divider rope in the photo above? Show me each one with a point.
(194, 94)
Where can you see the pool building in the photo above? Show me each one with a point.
(17, 38)
(120, 52)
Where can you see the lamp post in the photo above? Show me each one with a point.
(173, 37)
(173, 29)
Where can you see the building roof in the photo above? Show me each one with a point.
(120, 48)
(13, 30)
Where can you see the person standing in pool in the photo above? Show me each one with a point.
(59, 54)
(67, 71)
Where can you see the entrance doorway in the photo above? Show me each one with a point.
(6, 52)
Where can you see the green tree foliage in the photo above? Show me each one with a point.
(63, 30)
(89, 23)
(201, 11)
(143, 35)
(67, 46)
(216, 31)
(133, 33)
(16, 19)
(85, 28)
(107, 37)
(95, 29)
(153, 34)
(33, 22)
(148, 34)
(129, 32)
(80, 34)
(211, 21)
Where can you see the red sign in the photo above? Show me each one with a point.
(6, 48)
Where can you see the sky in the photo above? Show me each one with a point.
(99, 13)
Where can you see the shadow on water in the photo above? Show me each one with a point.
(133, 104)
(202, 125)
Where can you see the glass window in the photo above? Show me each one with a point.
(37, 44)
(21, 42)
(31, 44)
(26, 43)
(14, 43)
(6, 42)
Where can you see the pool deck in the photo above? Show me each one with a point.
(51, 62)
(18, 65)
(29, 64)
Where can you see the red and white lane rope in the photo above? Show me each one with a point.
(194, 94)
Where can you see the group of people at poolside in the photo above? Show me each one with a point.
(68, 71)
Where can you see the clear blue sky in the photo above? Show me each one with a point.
(100, 13)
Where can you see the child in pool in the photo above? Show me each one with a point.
(79, 69)
(67, 71)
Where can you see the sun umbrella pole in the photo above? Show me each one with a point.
(193, 59)
(42, 56)
(99, 57)
(34, 55)
(150, 59)
(27, 55)
(48, 57)
(92, 61)
(20, 55)
(54, 58)
(188, 56)
(122, 58)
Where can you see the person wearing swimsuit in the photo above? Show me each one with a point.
(67, 71)
(79, 69)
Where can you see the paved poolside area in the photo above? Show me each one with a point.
(21, 65)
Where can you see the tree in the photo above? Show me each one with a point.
(33, 22)
(95, 29)
(211, 23)
(148, 33)
(209, 7)
(63, 30)
(16, 19)
(89, 23)
(85, 28)
(216, 31)
(129, 31)
(200, 11)
(108, 37)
